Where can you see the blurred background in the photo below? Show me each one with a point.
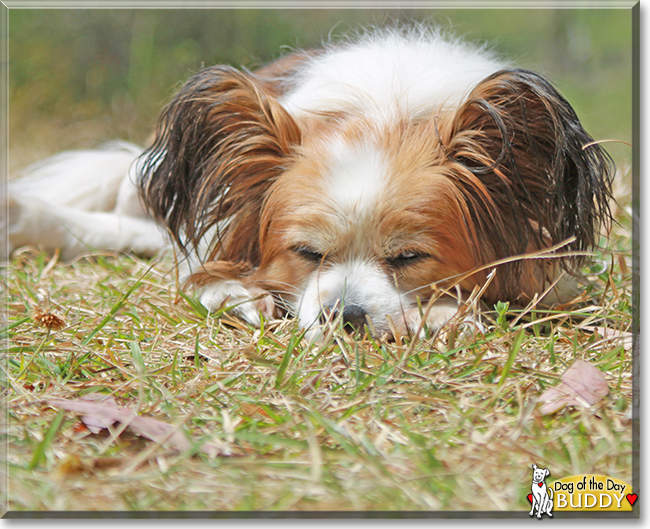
(78, 78)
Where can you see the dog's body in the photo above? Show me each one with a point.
(82, 201)
(542, 495)
(348, 180)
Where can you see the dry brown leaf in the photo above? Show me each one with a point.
(98, 414)
(581, 385)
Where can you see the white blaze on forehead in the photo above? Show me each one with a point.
(356, 176)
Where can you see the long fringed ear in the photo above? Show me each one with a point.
(530, 174)
(219, 146)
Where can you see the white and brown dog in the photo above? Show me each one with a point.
(346, 180)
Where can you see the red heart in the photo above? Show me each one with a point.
(540, 484)
(631, 498)
(530, 498)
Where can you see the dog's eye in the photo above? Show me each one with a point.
(405, 258)
(309, 254)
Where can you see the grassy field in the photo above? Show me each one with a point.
(258, 419)
(271, 423)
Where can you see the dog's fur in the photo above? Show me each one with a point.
(346, 180)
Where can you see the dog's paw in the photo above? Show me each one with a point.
(247, 303)
(441, 312)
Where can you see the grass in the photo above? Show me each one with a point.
(446, 424)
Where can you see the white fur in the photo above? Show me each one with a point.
(357, 282)
(86, 180)
(356, 177)
(245, 303)
(79, 202)
(362, 283)
(390, 72)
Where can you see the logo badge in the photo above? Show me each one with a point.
(584, 492)
(542, 496)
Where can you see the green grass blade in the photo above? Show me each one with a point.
(196, 306)
(39, 452)
(285, 363)
(136, 354)
(113, 310)
(514, 350)
(13, 325)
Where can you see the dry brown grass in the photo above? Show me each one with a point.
(350, 424)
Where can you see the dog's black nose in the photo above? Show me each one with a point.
(354, 317)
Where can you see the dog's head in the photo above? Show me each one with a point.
(539, 474)
(339, 211)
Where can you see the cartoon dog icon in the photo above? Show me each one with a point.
(542, 496)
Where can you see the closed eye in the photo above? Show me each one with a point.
(405, 258)
(309, 254)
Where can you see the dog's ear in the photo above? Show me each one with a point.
(219, 146)
(547, 472)
(530, 174)
(534, 466)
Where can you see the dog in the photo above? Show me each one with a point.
(358, 181)
(542, 496)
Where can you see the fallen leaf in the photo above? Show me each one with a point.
(614, 335)
(581, 385)
(99, 414)
(94, 422)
